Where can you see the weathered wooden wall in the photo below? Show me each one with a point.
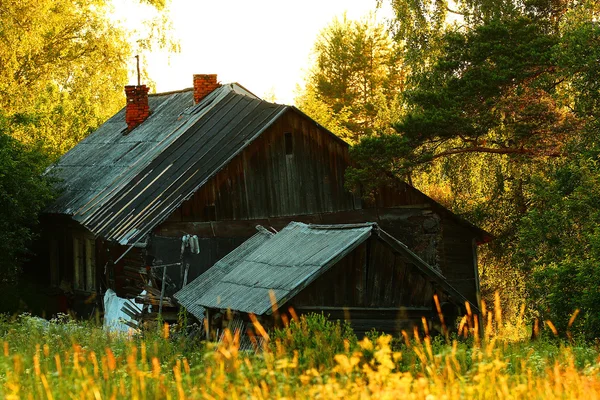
(370, 276)
(295, 172)
(293, 168)
(265, 185)
(63, 244)
(66, 243)
(372, 288)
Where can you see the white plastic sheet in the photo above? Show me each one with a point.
(113, 316)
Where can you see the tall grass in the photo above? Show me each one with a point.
(313, 357)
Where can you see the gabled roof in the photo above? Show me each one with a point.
(283, 264)
(120, 185)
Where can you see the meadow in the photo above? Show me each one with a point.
(311, 358)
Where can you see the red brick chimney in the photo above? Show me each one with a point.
(203, 85)
(137, 105)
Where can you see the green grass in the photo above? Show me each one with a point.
(313, 357)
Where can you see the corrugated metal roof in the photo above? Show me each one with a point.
(284, 263)
(120, 185)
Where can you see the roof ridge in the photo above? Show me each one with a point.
(171, 92)
(343, 226)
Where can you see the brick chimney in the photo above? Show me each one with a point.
(137, 109)
(203, 85)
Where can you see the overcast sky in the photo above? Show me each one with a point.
(262, 44)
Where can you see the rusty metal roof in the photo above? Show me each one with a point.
(120, 185)
(282, 264)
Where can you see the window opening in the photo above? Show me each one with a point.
(289, 144)
(84, 264)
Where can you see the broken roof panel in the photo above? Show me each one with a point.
(285, 263)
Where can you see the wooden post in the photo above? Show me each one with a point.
(207, 325)
(185, 275)
(476, 273)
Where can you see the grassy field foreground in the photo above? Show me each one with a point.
(64, 359)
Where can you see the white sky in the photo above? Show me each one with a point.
(264, 45)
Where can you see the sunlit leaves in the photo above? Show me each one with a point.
(356, 78)
(63, 62)
(559, 244)
(66, 62)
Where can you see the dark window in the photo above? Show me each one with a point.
(289, 144)
(84, 264)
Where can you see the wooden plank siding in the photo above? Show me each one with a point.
(372, 287)
(368, 278)
(68, 258)
(264, 181)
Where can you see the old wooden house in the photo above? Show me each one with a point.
(356, 272)
(181, 179)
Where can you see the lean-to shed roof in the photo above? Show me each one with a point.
(282, 264)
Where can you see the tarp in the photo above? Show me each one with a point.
(113, 315)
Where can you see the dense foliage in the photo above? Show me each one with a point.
(63, 63)
(498, 120)
(558, 245)
(23, 194)
(66, 63)
(63, 68)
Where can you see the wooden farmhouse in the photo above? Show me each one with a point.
(176, 181)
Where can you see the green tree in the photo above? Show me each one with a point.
(356, 78)
(558, 245)
(64, 63)
(506, 93)
(63, 68)
(493, 92)
(24, 191)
